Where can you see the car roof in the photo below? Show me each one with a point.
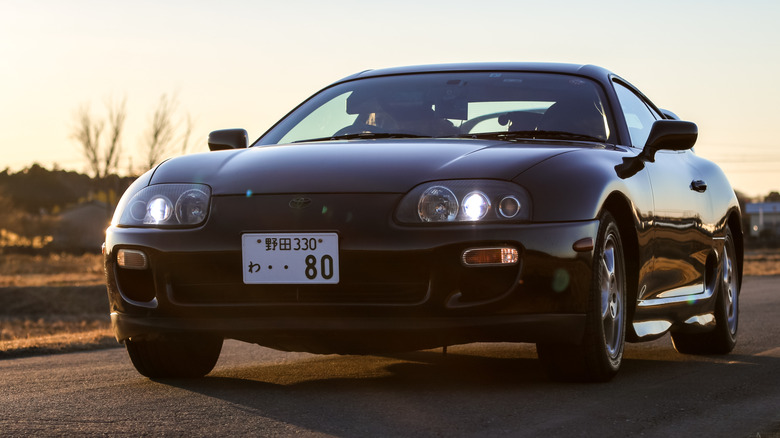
(587, 70)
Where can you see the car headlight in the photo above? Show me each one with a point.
(437, 204)
(165, 205)
(465, 201)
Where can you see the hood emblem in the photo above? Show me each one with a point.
(299, 202)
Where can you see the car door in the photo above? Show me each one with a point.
(679, 242)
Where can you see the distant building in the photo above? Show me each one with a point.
(764, 218)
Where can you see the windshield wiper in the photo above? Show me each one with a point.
(365, 135)
(531, 135)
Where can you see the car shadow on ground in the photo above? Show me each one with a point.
(394, 372)
(394, 392)
(497, 366)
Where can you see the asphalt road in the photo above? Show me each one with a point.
(476, 390)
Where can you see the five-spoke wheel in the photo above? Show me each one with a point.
(723, 338)
(599, 355)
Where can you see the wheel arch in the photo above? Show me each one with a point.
(623, 212)
(734, 223)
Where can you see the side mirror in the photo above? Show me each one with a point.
(224, 139)
(670, 135)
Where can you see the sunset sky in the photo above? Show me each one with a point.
(246, 63)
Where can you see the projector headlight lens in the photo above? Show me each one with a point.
(158, 210)
(475, 206)
(465, 201)
(153, 206)
(509, 207)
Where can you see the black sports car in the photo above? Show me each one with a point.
(421, 207)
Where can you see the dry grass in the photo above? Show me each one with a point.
(23, 264)
(22, 337)
(63, 341)
(762, 262)
(19, 270)
(53, 303)
(15, 328)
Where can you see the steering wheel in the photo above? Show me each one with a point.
(357, 129)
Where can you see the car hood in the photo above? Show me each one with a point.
(363, 166)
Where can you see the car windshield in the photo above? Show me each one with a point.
(502, 105)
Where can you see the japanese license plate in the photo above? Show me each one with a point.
(290, 258)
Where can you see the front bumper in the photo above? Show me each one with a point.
(356, 335)
(402, 287)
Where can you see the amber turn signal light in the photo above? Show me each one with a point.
(132, 259)
(499, 256)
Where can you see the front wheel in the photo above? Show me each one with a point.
(174, 358)
(598, 357)
(723, 338)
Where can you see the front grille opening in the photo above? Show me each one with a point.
(136, 285)
(367, 294)
(365, 279)
(483, 283)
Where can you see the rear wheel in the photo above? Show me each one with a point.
(723, 338)
(600, 354)
(174, 358)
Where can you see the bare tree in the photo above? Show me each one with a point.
(185, 137)
(116, 122)
(87, 132)
(161, 137)
(102, 156)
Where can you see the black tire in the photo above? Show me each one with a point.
(599, 356)
(179, 358)
(723, 338)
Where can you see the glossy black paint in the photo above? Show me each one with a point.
(225, 139)
(404, 286)
(671, 135)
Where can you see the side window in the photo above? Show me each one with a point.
(639, 117)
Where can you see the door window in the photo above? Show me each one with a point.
(639, 117)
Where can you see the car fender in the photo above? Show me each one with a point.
(723, 199)
(576, 185)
